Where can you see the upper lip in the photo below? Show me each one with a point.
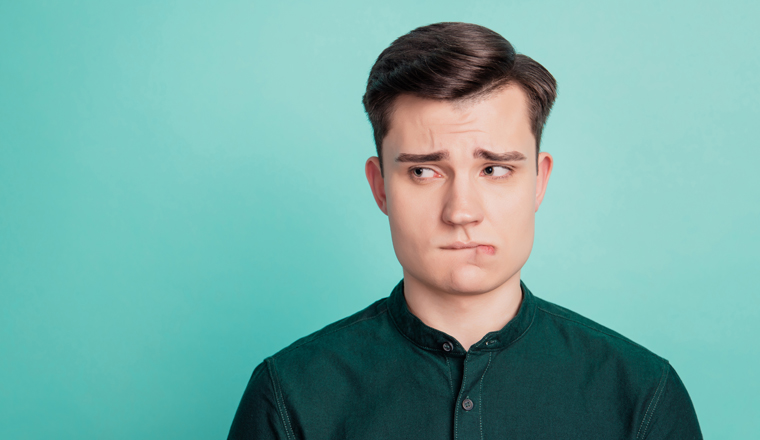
(462, 245)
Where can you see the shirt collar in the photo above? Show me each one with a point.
(431, 339)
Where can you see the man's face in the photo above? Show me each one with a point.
(461, 189)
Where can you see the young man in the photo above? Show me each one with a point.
(461, 349)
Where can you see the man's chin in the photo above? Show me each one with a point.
(471, 281)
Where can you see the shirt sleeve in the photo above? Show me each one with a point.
(258, 416)
(672, 414)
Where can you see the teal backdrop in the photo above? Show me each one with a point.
(182, 194)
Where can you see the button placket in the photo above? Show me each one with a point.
(468, 412)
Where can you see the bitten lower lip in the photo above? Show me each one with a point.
(486, 249)
(480, 248)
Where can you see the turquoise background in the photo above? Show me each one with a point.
(182, 194)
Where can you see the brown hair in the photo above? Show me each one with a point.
(457, 62)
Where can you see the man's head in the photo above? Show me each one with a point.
(457, 118)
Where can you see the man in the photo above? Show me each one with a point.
(461, 348)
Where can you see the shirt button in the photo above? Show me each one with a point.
(467, 404)
(447, 346)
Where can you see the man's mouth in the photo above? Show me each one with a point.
(479, 247)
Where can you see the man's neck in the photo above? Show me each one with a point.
(466, 317)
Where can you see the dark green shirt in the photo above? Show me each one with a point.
(381, 373)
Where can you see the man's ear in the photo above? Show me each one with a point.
(376, 182)
(545, 164)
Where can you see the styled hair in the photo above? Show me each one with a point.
(457, 62)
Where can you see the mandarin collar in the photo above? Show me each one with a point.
(431, 339)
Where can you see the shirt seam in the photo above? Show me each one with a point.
(480, 395)
(448, 370)
(656, 399)
(532, 320)
(459, 398)
(600, 331)
(281, 409)
(316, 337)
(398, 328)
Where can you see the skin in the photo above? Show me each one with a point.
(460, 195)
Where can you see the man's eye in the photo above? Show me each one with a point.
(496, 171)
(423, 173)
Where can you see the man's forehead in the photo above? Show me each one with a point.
(412, 112)
(428, 125)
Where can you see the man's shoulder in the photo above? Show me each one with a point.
(349, 331)
(597, 339)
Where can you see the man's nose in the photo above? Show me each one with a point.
(463, 203)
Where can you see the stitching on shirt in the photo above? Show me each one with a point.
(398, 327)
(533, 318)
(289, 349)
(480, 396)
(499, 351)
(459, 397)
(437, 350)
(280, 400)
(658, 393)
(448, 370)
(598, 330)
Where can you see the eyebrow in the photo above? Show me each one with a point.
(498, 157)
(478, 154)
(430, 157)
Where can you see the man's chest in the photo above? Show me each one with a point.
(465, 398)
